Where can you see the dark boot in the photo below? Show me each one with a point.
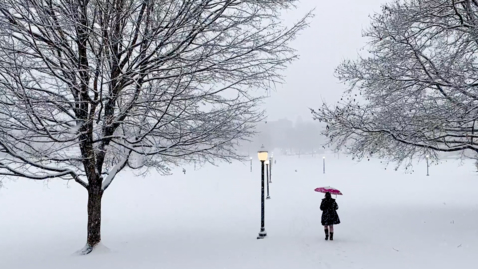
(331, 236)
(326, 234)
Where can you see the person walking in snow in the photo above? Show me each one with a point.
(329, 215)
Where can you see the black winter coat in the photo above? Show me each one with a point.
(329, 212)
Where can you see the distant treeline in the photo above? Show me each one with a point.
(287, 137)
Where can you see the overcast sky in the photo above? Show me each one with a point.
(335, 34)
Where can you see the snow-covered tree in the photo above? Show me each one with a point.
(91, 87)
(416, 90)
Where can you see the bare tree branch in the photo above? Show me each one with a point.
(91, 87)
(416, 91)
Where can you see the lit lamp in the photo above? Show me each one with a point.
(267, 179)
(262, 157)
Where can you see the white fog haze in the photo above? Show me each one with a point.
(334, 35)
(238, 134)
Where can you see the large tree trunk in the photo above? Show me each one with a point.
(95, 193)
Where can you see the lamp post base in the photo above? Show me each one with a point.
(262, 234)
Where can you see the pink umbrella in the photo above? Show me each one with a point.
(328, 189)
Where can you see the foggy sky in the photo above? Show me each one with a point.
(335, 34)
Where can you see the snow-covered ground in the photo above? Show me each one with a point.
(210, 218)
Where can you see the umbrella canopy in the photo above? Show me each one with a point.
(328, 189)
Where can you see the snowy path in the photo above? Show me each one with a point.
(209, 219)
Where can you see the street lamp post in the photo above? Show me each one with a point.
(323, 164)
(267, 178)
(262, 157)
(251, 163)
(270, 167)
(427, 164)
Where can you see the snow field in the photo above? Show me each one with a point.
(209, 218)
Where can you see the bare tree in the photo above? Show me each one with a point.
(415, 92)
(91, 87)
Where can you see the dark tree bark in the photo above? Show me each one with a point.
(89, 88)
(94, 216)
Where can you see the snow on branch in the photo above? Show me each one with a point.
(415, 92)
(93, 87)
(21, 173)
(114, 171)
